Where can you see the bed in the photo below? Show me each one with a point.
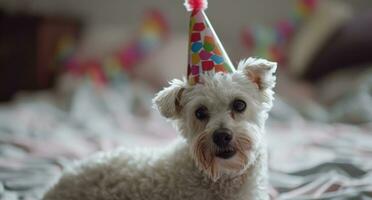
(41, 133)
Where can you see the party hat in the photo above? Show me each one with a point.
(206, 53)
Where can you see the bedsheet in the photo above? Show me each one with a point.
(41, 134)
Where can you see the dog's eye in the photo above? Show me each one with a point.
(239, 105)
(201, 113)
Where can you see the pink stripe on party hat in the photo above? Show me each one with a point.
(206, 53)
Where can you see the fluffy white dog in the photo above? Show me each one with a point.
(221, 152)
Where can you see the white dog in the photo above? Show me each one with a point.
(221, 153)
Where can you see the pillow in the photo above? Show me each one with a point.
(309, 40)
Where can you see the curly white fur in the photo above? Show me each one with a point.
(189, 169)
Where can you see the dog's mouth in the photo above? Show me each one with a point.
(226, 152)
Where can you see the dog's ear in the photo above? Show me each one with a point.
(259, 71)
(168, 100)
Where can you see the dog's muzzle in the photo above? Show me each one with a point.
(222, 139)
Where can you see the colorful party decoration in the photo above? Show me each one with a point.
(206, 53)
(115, 66)
(271, 42)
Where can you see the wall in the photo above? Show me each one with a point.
(117, 17)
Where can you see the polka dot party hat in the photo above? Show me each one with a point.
(206, 53)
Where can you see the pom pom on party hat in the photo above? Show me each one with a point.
(206, 53)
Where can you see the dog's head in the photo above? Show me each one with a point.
(222, 118)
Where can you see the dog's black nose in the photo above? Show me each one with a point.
(222, 137)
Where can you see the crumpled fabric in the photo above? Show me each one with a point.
(39, 137)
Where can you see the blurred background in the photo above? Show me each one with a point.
(78, 76)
